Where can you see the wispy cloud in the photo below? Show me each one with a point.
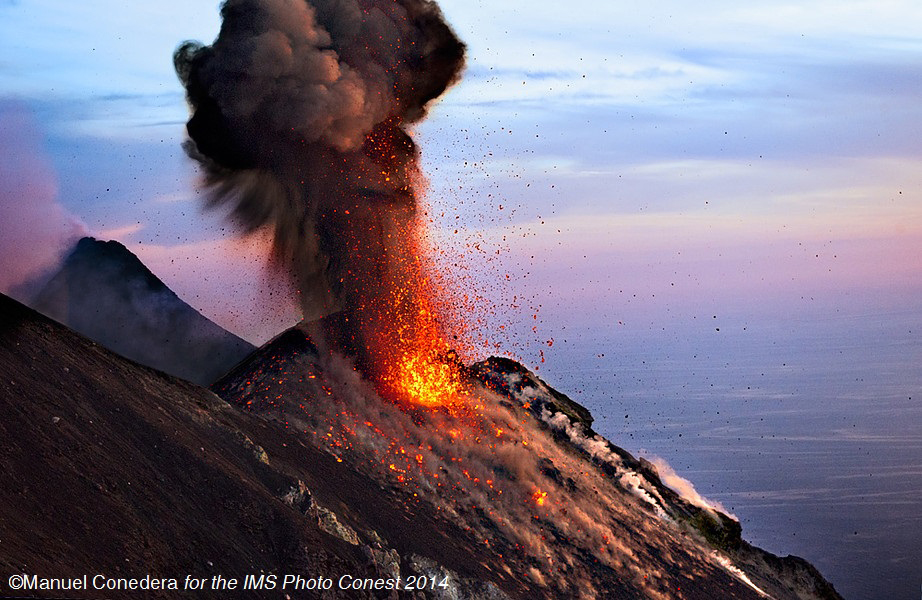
(120, 234)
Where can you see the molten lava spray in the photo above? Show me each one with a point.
(300, 112)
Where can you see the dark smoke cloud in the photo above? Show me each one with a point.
(299, 118)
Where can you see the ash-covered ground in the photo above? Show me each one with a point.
(115, 468)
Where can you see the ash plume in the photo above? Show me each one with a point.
(300, 116)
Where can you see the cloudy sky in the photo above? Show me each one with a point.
(632, 161)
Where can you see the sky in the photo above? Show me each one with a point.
(630, 161)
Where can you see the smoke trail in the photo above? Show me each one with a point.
(299, 119)
(685, 488)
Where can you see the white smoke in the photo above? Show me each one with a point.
(35, 229)
(738, 573)
(595, 446)
(685, 489)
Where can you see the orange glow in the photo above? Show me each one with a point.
(539, 497)
(411, 324)
(421, 368)
(416, 363)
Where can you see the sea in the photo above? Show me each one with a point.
(808, 430)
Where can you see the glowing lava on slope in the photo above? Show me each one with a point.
(557, 505)
(419, 366)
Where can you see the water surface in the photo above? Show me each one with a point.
(809, 431)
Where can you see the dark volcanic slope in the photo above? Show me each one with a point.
(103, 291)
(559, 511)
(110, 467)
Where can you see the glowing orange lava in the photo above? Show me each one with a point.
(423, 378)
(411, 314)
(421, 368)
(539, 497)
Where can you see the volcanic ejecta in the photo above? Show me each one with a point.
(299, 119)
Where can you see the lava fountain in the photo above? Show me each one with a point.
(300, 117)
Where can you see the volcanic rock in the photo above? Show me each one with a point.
(291, 382)
(104, 292)
(571, 422)
(512, 378)
(112, 467)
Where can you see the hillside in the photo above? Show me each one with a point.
(104, 292)
(110, 467)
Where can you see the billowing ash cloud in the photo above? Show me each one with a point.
(299, 118)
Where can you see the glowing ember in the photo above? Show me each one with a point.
(407, 329)
(423, 379)
(424, 370)
(539, 497)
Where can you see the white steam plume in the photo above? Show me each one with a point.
(35, 229)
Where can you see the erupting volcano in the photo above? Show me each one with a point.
(300, 120)
(300, 117)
